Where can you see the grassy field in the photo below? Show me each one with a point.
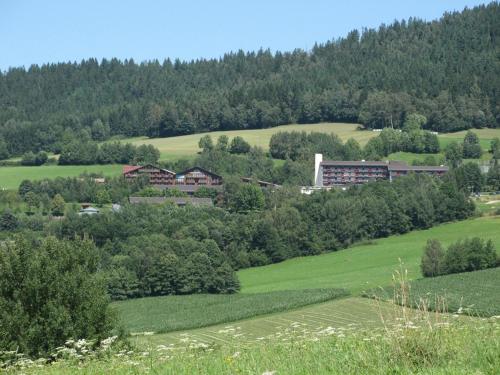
(477, 293)
(363, 267)
(172, 313)
(485, 137)
(187, 145)
(11, 177)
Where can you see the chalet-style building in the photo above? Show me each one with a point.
(157, 176)
(188, 181)
(341, 173)
(197, 176)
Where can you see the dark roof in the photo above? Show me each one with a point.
(188, 188)
(147, 200)
(354, 163)
(429, 168)
(179, 201)
(200, 169)
(182, 201)
(260, 182)
(391, 165)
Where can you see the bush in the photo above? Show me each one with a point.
(432, 260)
(50, 292)
(239, 146)
(31, 159)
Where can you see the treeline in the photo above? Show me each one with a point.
(301, 145)
(154, 250)
(87, 153)
(445, 71)
(462, 256)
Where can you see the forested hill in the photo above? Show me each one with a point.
(447, 70)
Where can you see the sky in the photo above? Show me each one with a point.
(37, 32)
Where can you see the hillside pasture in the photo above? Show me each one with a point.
(11, 177)
(173, 313)
(485, 136)
(364, 266)
(184, 147)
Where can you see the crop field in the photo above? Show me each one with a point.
(346, 313)
(171, 313)
(365, 266)
(11, 177)
(477, 293)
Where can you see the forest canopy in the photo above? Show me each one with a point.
(444, 73)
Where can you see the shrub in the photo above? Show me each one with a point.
(239, 146)
(432, 260)
(50, 292)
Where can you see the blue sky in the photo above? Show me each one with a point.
(53, 31)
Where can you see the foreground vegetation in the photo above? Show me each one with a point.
(474, 293)
(173, 313)
(414, 343)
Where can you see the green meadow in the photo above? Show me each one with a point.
(186, 146)
(364, 266)
(11, 177)
(357, 269)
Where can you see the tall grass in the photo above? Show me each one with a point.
(474, 293)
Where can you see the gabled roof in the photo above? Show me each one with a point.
(200, 169)
(132, 168)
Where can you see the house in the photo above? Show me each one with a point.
(198, 176)
(187, 181)
(157, 176)
(341, 173)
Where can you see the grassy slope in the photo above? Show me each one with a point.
(187, 145)
(170, 313)
(363, 267)
(11, 177)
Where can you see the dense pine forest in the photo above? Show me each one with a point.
(446, 70)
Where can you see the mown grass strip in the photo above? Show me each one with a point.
(173, 313)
